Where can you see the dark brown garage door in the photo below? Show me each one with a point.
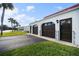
(48, 29)
(66, 30)
(35, 29)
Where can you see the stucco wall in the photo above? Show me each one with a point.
(75, 26)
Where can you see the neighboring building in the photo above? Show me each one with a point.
(21, 28)
(27, 28)
(62, 25)
(24, 28)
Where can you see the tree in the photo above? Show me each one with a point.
(5, 27)
(11, 20)
(5, 6)
(14, 23)
(17, 25)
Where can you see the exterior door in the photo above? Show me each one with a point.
(66, 30)
(48, 29)
(35, 29)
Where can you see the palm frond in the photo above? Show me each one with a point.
(10, 6)
(7, 6)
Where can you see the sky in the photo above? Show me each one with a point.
(26, 13)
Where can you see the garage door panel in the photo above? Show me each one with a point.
(66, 30)
(48, 30)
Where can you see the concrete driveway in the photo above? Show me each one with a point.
(8, 43)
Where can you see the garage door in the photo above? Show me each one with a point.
(48, 29)
(35, 29)
(66, 30)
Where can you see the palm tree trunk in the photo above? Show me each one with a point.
(12, 26)
(2, 19)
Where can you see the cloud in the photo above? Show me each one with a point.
(59, 7)
(8, 14)
(24, 19)
(30, 8)
(12, 12)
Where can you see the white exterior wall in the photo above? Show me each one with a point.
(75, 26)
(31, 29)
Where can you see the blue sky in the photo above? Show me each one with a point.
(26, 13)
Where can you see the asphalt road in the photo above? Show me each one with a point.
(8, 43)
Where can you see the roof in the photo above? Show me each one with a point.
(60, 12)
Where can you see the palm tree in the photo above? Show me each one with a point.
(14, 22)
(17, 25)
(11, 20)
(5, 6)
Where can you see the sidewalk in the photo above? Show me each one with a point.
(55, 40)
(6, 30)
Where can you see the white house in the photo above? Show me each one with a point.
(62, 25)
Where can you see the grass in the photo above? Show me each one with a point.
(45, 48)
(15, 33)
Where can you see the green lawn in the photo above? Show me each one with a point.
(45, 48)
(15, 33)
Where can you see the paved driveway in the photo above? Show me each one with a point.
(8, 43)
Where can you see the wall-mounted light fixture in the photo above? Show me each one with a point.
(57, 21)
